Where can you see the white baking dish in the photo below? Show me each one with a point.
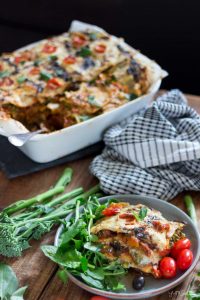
(47, 147)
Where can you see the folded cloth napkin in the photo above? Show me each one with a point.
(154, 153)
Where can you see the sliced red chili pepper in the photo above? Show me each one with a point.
(112, 209)
(34, 71)
(100, 48)
(78, 40)
(48, 48)
(53, 83)
(69, 60)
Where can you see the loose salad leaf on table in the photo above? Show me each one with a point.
(9, 286)
(78, 253)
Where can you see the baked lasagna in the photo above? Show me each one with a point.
(67, 79)
(138, 236)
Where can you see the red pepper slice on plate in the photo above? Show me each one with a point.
(53, 83)
(100, 48)
(69, 60)
(48, 48)
(112, 209)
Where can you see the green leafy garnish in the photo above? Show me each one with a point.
(53, 57)
(92, 101)
(141, 215)
(21, 79)
(4, 74)
(84, 52)
(80, 254)
(45, 76)
(9, 286)
(131, 96)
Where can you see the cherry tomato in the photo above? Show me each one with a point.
(100, 48)
(184, 259)
(34, 71)
(168, 267)
(6, 81)
(69, 60)
(49, 48)
(53, 83)
(112, 210)
(98, 298)
(179, 246)
(78, 40)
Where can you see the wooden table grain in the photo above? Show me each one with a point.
(36, 270)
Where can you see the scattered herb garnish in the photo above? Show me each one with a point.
(45, 76)
(21, 79)
(4, 74)
(79, 254)
(84, 52)
(141, 215)
(191, 209)
(53, 57)
(92, 101)
(9, 286)
(131, 96)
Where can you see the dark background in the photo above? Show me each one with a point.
(165, 30)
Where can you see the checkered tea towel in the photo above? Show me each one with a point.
(154, 153)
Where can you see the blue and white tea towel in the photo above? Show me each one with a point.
(154, 153)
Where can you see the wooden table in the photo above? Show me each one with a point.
(36, 270)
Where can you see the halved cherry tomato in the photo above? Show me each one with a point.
(185, 259)
(78, 40)
(69, 60)
(48, 48)
(6, 81)
(20, 59)
(179, 246)
(53, 83)
(168, 267)
(112, 209)
(34, 71)
(98, 298)
(100, 48)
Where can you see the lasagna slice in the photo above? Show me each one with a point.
(137, 242)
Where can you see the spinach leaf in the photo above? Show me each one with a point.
(9, 284)
(18, 295)
(62, 274)
(8, 281)
(91, 281)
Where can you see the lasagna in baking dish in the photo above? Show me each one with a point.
(136, 235)
(70, 78)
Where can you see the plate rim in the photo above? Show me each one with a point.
(141, 294)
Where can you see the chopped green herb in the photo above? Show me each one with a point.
(92, 101)
(36, 63)
(142, 213)
(21, 79)
(93, 36)
(45, 76)
(84, 118)
(84, 52)
(4, 74)
(136, 216)
(53, 57)
(132, 96)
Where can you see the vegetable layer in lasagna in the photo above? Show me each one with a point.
(136, 235)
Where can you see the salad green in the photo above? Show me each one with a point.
(78, 253)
